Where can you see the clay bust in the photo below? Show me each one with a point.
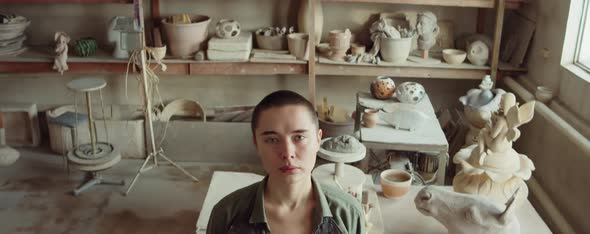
(61, 52)
(491, 167)
(427, 30)
(467, 214)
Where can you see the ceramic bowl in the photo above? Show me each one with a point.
(271, 42)
(453, 56)
(324, 49)
(395, 183)
(544, 94)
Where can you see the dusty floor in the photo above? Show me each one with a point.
(35, 197)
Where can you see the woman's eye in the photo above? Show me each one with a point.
(271, 140)
(299, 137)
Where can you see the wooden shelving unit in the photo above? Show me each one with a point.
(41, 59)
(510, 4)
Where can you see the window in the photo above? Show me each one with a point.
(582, 54)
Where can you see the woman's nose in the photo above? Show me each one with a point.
(287, 150)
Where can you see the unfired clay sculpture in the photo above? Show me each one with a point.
(428, 30)
(467, 214)
(491, 167)
(61, 52)
(478, 53)
(478, 106)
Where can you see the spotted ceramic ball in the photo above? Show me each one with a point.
(227, 28)
(382, 87)
(410, 92)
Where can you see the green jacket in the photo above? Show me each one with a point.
(243, 212)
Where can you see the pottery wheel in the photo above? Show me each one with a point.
(105, 156)
(341, 157)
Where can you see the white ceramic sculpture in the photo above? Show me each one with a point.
(467, 214)
(227, 28)
(478, 106)
(478, 53)
(61, 52)
(410, 92)
(491, 167)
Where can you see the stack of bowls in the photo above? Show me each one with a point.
(12, 36)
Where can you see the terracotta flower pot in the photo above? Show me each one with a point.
(395, 183)
(186, 39)
(297, 43)
(370, 118)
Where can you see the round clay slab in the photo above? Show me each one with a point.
(87, 84)
(341, 157)
(352, 177)
(106, 153)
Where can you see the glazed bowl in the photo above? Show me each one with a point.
(453, 56)
(543, 94)
(395, 183)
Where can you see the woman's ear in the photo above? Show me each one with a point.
(320, 133)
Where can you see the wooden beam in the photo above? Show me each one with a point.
(512, 4)
(415, 72)
(247, 68)
(311, 48)
(64, 1)
(497, 39)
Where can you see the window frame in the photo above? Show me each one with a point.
(583, 32)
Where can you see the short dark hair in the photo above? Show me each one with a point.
(279, 99)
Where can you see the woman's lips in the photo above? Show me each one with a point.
(288, 169)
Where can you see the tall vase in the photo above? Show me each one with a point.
(304, 19)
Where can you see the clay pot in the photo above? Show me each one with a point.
(410, 92)
(297, 43)
(395, 183)
(395, 50)
(227, 28)
(453, 56)
(186, 39)
(543, 94)
(324, 49)
(157, 53)
(271, 42)
(370, 118)
(382, 87)
(339, 43)
(357, 49)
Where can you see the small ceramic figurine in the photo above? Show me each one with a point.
(478, 106)
(491, 167)
(467, 214)
(227, 28)
(427, 30)
(61, 52)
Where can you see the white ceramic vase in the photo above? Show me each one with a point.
(305, 22)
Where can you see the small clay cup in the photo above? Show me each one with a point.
(544, 94)
(370, 118)
(395, 183)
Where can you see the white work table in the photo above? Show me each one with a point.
(401, 216)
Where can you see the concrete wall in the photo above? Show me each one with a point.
(561, 165)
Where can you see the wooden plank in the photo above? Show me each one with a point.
(415, 72)
(247, 68)
(497, 39)
(511, 4)
(36, 67)
(64, 1)
(312, 55)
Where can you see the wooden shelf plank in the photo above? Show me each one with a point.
(40, 59)
(511, 4)
(248, 68)
(63, 1)
(407, 69)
